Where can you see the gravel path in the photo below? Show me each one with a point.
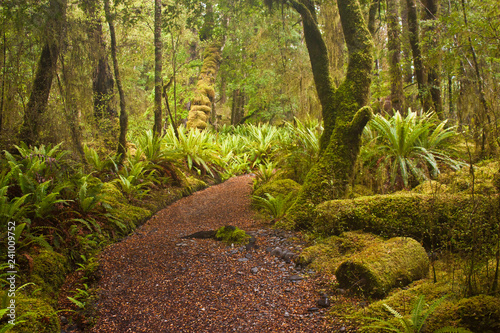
(155, 281)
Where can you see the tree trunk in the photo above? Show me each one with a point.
(39, 97)
(102, 80)
(433, 80)
(122, 140)
(414, 32)
(343, 109)
(394, 48)
(158, 69)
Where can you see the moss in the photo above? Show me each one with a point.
(232, 235)
(49, 273)
(427, 218)
(431, 187)
(37, 314)
(277, 187)
(383, 266)
(194, 184)
(480, 314)
(201, 108)
(482, 183)
(121, 208)
(327, 255)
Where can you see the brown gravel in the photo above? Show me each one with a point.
(154, 281)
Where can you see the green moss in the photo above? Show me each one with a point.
(49, 273)
(431, 187)
(194, 184)
(383, 266)
(201, 108)
(232, 235)
(481, 183)
(480, 314)
(327, 254)
(428, 218)
(277, 187)
(38, 316)
(121, 209)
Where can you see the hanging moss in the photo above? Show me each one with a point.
(427, 218)
(383, 266)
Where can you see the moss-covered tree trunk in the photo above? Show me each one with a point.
(344, 111)
(202, 104)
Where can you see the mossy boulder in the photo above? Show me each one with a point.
(430, 219)
(431, 187)
(130, 215)
(481, 183)
(480, 314)
(232, 235)
(383, 266)
(327, 254)
(278, 187)
(35, 315)
(49, 273)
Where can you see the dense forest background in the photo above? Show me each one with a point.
(58, 78)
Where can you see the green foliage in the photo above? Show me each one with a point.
(276, 206)
(413, 324)
(299, 149)
(411, 148)
(196, 148)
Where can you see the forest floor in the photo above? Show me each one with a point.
(156, 281)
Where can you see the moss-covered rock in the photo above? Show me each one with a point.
(383, 266)
(122, 210)
(430, 219)
(481, 183)
(36, 316)
(327, 254)
(232, 235)
(278, 187)
(49, 273)
(480, 314)
(431, 187)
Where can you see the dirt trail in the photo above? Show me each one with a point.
(155, 281)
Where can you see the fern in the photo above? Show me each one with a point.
(276, 207)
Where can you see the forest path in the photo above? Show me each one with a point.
(155, 281)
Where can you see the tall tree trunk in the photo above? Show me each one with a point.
(202, 103)
(122, 139)
(394, 48)
(4, 72)
(418, 66)
(39, 97)
(102, 79)
(343, 108)
(158, 69)
(433, 69)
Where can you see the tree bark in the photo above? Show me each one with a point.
(122, 139)
(39, 97)
(433, 81)
(344, 110)
(158, 69)
(394, 48)
(414, 36)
